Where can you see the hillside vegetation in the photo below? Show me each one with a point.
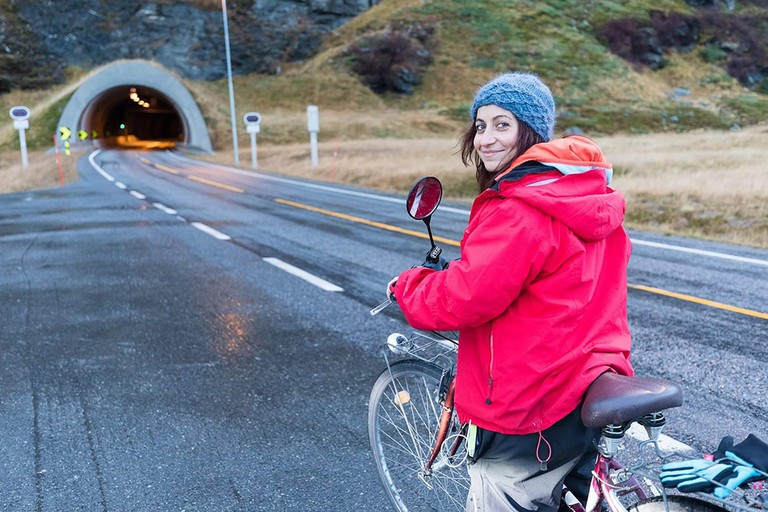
(404, 73)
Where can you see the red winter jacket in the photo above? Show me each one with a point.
(539, 294)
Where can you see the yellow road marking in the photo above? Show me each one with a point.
(166, 169)
(367, 222)
(215, 184)
(145, 160)
(697, 300)
(448, 241)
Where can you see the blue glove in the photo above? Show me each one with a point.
(705, 476)
(693, 475)
(743, 473)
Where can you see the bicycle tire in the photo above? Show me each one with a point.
(676, 503)
(402, 429)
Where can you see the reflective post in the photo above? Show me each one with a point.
(313, 126)
(20, 117)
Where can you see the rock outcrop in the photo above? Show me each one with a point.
(185, 36)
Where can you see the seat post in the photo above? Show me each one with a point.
(654, 424)
(610, 440)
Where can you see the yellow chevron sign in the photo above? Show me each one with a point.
(65, 132)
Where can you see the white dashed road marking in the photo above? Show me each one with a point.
(302, 274)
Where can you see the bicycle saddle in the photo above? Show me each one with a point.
(616, 399)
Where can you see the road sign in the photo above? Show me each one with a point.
(65, 132)
(82, 135)
(252, 118)
(19, 113)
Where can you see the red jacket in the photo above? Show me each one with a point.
(538, 295)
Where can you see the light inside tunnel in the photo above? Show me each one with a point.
(134, 116)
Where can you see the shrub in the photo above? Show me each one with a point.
(392, 61)
(633, 41)
(738, 41)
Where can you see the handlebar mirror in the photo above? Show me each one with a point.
(424, 197)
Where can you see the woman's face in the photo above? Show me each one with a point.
(496, 136)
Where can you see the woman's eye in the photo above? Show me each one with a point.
(502, 125)
(480, 128)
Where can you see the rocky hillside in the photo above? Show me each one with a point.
(630, 66)
(40, 38)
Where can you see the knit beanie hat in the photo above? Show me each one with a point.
(523, 94)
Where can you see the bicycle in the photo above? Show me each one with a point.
(418, 441)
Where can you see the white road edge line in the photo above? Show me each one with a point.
(210, 231)
(120, 185)
(302, 274)
(92, 159)
(666, 443)
(137, 195)
(701, 252)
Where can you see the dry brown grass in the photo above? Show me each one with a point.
(42, 172)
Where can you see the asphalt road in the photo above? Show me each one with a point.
(179, 336)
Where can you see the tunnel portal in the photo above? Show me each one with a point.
(135, 104)
(127, 116)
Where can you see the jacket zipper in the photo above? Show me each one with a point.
(490, 375)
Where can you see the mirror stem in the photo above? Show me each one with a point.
(429, 230)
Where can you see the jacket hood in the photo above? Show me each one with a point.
(579, 195)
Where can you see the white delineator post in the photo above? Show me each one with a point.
(313, 125)
(20, 116)
(252, 122)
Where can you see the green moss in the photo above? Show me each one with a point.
(746, 109)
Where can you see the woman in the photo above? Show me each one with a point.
(538, 296)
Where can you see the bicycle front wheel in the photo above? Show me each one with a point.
(676, 503)
(403, 419)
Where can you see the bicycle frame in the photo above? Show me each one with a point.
(604, 489)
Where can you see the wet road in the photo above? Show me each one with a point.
(181, 337)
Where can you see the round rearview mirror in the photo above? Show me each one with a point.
(424, 197)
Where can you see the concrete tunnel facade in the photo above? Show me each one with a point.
(103, 106)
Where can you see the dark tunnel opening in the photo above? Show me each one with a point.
(133, 116)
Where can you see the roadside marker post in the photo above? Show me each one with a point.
(313, 126)
(20, 116)
(252, 122)
(58, 160)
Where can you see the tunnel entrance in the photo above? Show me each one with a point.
(134, 104)
(135, 117)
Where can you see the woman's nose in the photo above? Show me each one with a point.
(487, 138)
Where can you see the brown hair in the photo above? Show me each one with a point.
(526, 138)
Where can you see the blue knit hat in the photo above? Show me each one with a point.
(523, 94)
